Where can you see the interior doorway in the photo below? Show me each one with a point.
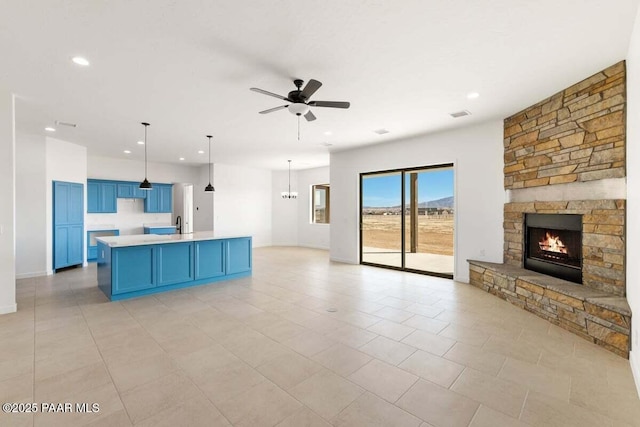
(407, 219)
(188, 209)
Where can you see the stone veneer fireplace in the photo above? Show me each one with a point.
(602, 245)
(564, 222)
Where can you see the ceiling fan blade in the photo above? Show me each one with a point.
(332, 104)
(309, 116)
(275, 95)
(311, 88)
(271, 110)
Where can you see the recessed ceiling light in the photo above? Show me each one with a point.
(472, 95)
(127, 152)
(140, 142)
(381, 131)
(326, 144)
(49, 129)
(79, 60)
(181, 158)
(200, 152)
(328, 133)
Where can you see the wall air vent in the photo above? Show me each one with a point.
(71, 125)
(460, 114)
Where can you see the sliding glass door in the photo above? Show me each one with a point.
(407, 219)
(381, 222)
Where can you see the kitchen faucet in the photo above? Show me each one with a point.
(179, 224)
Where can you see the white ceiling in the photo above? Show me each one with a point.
(186, 67)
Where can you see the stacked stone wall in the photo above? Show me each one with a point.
(575, 135)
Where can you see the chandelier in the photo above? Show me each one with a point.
(289, 194)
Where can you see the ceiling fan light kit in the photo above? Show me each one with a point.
(299, 104)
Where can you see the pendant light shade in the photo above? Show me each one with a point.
(289, 194)
(145, 185)
(209, 188)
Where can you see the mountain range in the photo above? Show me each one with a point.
(445, 202)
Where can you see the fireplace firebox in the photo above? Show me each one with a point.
(553, 245)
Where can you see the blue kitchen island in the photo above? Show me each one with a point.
(136, 265)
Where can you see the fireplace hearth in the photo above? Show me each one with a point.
(553, 245)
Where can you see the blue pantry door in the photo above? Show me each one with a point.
(68, 224)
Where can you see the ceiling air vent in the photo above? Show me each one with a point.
(460, 114)
(71, 125)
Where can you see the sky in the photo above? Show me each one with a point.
(383, 191)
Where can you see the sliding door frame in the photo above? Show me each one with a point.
(402, 172)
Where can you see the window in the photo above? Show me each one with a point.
(320, 204)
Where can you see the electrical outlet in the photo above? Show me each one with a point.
(482, 253)
(1, 229)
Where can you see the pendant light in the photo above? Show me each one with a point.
(289, 194)
(145, 185)
(209, 188)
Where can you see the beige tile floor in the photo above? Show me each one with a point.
(401, 350)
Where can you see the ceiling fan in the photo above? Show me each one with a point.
(298, 100)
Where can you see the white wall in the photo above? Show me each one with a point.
(476, 152)
(7, 205)
(633, 193)
(284, 220)
(312, 235)
(129, 219)
(243, 200)
(203, 202)
(31, 196)
(133, 170)
(64, 162)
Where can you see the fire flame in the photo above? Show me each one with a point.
(552, 244)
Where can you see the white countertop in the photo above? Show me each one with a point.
(151, 239)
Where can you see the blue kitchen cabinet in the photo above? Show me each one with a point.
(93, 196)
(159, 199)
(68, 224)
(130, 190)
(101, 196)
(133, 268)
(136, 270)
(209, 259)
(92, 244)
(238, 255)
(174, 263)
(169, 229)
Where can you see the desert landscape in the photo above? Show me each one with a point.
(435, 233)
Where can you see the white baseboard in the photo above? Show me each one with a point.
(462, 279)
(6, 309)
(635, 369)
(302, 245)
(30, 275)
(344, 261)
